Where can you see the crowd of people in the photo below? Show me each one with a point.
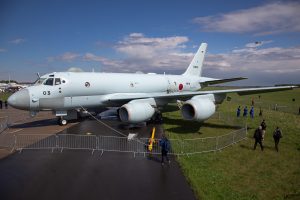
(245, 112)
(260, 132)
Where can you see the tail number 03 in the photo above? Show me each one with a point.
(46, 92)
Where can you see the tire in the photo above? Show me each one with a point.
(63, 122)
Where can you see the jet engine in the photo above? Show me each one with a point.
(198, 109)
(136, 112)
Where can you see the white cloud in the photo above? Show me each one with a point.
(138, 46)
(105, 61)
(266, 19)
(17, 41)
(257, 44)
(146, 54)
(2, 50)
(275, 61)
(67, 56)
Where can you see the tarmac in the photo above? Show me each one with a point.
(78, 174)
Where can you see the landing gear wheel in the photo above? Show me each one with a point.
(62, 122)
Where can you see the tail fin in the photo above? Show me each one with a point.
(195, 67)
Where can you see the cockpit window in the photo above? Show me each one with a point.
(49, 81)
(57, 81)
(39, 81)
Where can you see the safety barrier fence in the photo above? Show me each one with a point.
(119, 144)
(3, 123)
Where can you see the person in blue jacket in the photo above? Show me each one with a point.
(238, 111)
(252, 112)
(165, 145)
(245, 112)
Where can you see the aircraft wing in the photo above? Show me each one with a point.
(184, 95)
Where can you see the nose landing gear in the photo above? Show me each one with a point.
(62, 121)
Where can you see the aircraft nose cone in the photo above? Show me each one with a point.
(20, 100)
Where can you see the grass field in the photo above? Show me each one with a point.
(238, 172)
(4, 96)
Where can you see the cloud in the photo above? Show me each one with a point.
(141, 53)
(105, 61)
(257, 44)
(257, 64)
(17, 41)
(75, 69)
(2, 50)
(138, 46)
(263, 20)
(67, 56)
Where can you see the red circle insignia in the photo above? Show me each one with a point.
(180, 86)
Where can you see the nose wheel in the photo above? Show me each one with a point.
(62, 121)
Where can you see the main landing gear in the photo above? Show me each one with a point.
(62, 121)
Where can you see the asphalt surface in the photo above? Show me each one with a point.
(78, 174)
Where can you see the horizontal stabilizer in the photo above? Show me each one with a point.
(218, 81)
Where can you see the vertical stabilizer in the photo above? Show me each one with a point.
(195, 67)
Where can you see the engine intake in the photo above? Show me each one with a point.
(198, 109)
(136, 112)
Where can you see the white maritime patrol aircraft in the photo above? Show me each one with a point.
(137, 96)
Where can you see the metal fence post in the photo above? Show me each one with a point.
(217, 142)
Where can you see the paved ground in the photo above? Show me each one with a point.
(40, 174)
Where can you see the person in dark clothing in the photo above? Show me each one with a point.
(252, 112)
(277, 135)
(245, 112)
(238, 111)
(165, 145)
(5, 103)
(258, 138)
(264, 127)
(260, 112)
(1, 104)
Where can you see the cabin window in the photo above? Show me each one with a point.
(49, 81)
(57, 81)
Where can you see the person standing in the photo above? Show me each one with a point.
(238, 111)
(252, 112)
(258, 138)
(264, 128)
(260, 112)
(245, 113)
(165, 145)
(252, 102)
(5, 104)
(277, 135)
(1, 104)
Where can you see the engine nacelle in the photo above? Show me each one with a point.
(136, 112)
(198, 109)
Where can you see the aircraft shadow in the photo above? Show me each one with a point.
(38, 123)
(184, 126)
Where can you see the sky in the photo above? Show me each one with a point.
(255, 39)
